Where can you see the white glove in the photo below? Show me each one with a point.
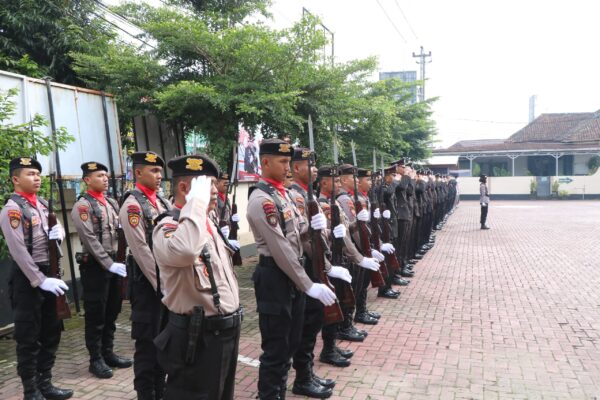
(339, 232)
(483, 205)
(387, 214)
(363, 215)
(57, 232)
(225, 231)
(119, 269)
(318, 222)
(376, 214)
(377, 255)
(200, 189)
(340, 273)
(369, 263)
(322, 293)
(54, 285)
(235, 218)
(388, 248)
(235, 244)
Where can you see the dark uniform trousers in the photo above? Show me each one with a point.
(313, 322)
(210, 374)
(280, 307)
(401, 241)
(484, 213)
(361, 279)
(145, 315)
(36, 328)
(102, 304)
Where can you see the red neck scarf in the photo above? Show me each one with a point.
(350, 192)
(30, 197)
(223, 197)
(178, 205)
(364, 194)
(150, 194)
(302, 185)
(98, 196)
(325, 194)
(277, 185)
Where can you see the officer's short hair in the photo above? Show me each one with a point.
(15, 172)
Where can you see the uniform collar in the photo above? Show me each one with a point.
(276, 184)
(97, 195)
(150, 194)
(30, 197)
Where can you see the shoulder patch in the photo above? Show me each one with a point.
(168, 228)
(14, 217)
(270, 212)
(84, 213)
(134, 215)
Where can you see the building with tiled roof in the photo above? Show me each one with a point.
(552, 144)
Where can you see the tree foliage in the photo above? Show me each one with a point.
(18, 140)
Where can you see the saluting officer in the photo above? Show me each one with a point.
(198, 347)
(24, 223)
(96, 219)
(280, 280)
(140, 208)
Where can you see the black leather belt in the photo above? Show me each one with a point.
(267, 261)
(210, 324)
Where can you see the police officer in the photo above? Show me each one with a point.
(198, 347)
(280, 280)
(403, 214)
(484, 201)
(307, 383)
(96, 219)
(346, 200)
(24, 223)
(224, 217)
(140, 208)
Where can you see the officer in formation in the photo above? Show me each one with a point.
(96, 219)
(32, 291)
(414, 206)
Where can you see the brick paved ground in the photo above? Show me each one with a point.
(510, 313)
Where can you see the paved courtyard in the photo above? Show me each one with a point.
(509, 313)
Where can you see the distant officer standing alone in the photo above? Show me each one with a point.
(484, 201)
(280, 280)
(198, 347)
(96, 219)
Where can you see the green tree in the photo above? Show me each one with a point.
(21, 140)
(37, 36)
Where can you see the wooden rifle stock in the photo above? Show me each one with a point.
(337, 257)
(62, 307)
(121, 257)
(365, 244)
(332, 313)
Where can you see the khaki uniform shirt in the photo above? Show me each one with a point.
(286, 250)
(16, 234)
(347, 204)
(184, 276)
(86, 224)
(134, 228)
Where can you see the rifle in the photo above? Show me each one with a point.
(375, 228)
(386, 231)
(333, 313)
(62, 307)
(337, 257)
(233, 230)
(363, 231)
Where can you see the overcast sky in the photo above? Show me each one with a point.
(488, 57)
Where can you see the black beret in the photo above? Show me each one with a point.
(401, 161)
(327, 171)
(147, 158)
(363, 173)
(224, 175)
(346, 169)
(276, 147)
(93, 166)
(302, 154)
(194, 165)
(390, 170)
(24, 162)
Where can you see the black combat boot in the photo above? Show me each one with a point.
(330, 356)
(145, 394)
(344, 353)
(304, 385)
(99, 369)
(30, 389)
(115, 361)
(49, 391)
(328, 383)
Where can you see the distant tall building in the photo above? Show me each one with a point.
(404, 76)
